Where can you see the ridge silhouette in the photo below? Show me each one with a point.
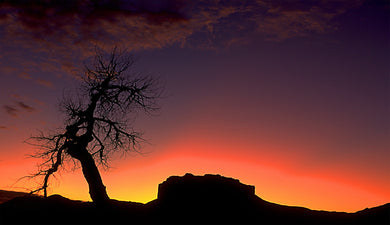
(208, 199)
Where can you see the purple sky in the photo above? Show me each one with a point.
(311, 78)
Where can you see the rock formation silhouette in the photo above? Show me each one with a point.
(208, 199)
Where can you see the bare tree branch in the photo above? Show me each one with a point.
(96, 121)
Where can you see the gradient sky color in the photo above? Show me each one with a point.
(290, 97)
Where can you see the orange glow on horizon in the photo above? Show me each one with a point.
(279, 181)
(139, 181)
(296, 103)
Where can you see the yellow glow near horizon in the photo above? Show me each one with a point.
(136, 179)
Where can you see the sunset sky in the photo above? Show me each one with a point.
(290, 97)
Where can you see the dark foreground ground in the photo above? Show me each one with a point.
(209, 199)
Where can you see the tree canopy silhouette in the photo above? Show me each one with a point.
(97, 120)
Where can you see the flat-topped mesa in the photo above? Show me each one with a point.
(203, 188)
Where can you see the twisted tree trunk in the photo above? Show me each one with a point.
(97, 190)
(109, 94)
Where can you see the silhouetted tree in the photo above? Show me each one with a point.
(97, 122)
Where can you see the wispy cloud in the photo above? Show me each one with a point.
(3, 127)
(155, 24)
(64, 32)
(45, 83)
(26, 107)
(25, 76)
(14, 110)
(288, 19)
(11, 110)
(39, 81)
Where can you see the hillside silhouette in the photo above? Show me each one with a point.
(208, 199)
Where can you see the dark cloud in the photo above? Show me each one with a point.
(11, 110)
(3, 127)
(18, 108)
(64, 32)
(153, 24)
(82, 19)
(26, 107)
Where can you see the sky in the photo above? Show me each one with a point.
(290, 96)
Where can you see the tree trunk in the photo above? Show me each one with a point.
(97, 190)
